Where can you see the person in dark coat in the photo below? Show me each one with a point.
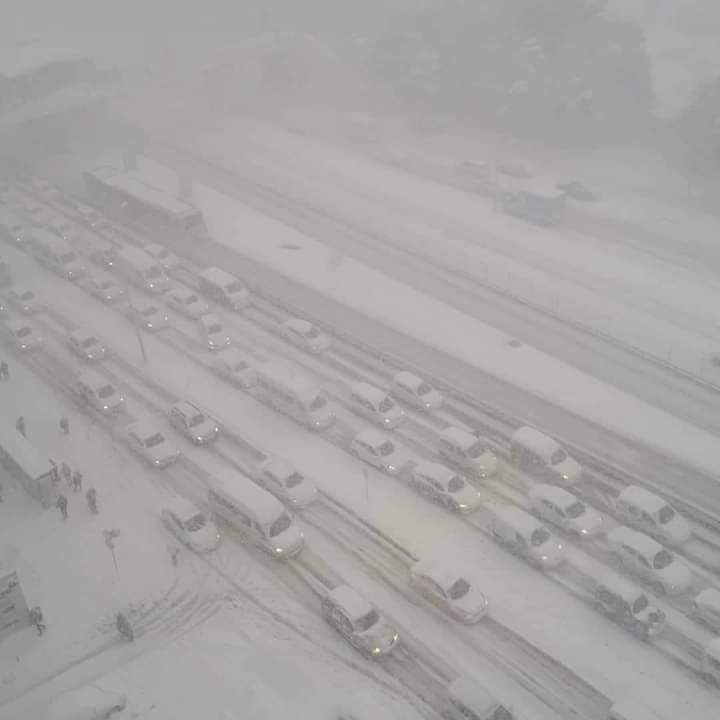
(65, 425)
(91, 497)
(4, 371)
(62, 505)
(77, 481)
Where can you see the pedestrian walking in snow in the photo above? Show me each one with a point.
(65, 425)
(77, 481)
(20, 425)
(66, 473)
(2, 496)
(55, 472)
(4, 371)
(91, 497)
(37, 619)
(62, 504)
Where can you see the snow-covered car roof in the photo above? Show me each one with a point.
(436, 471)
(518, 519)
(648, 501)
(94, 379)
(620, 586)
(354, 604)
(145, 429)
(369, 392)
(469, 692)
(187, 408)
(408, 379)
(210, 319)
(641, 542)
(141, 304)
(457, 436)
(555, 494)
(182, 507)
(278, 467)
(82, 334)
(15, 324)
(266, 507)
(536, 441)
(444, 572)
(709, 598)
(373, 437)
(183, 292)
(231, 355)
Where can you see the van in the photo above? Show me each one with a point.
(294, 395)
(631, 709)
(223, 288)
(139, 269)
(375, 405)
(467, 452)
(255, 513)
(99, 392)
(628, 606)
(55, 254)
(526, 536)
(650, 514)
(468, 700)
(542, 457)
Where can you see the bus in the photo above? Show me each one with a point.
(127, 195)
(27, 465)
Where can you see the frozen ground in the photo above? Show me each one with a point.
(521, 598)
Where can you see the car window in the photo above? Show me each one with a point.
(214, 328)
(196, 420)
(293, 480)
(459, 589)
(318, 403)
(367, 621)
(88, 342)
(456, 484)
(386, 405)
(558, 456)
(476, 450)
(148, 311)
(539, 536)
(23, 332)
(311, 333)
(106, 391)
(575, 510)
(196, 522)
(662, 560)
(239, 366)
(190, 299)
(234, 287)
(666, 514)
(640, 604)
(387, 448)
(154, 440)
(423, 389)
(435, 485)
(280, 525)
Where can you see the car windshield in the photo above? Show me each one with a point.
(27, 295)
(68, 257)
(148, 311)
(235, 287)
(23, 332)
(558, 456)
(367, 621)
(575, 510)
(662, 560)
(191, 299)
(293, 480)
(88, 342)
(640, 604)
(459, 589)
(386, 405)
(195, 523)
(196, 420)
(239, 366)
(423, 389)
(154, 440)
(476, 450)
(539, 537)
(666, 514)
(456, 484)
(501, 713)
(311, 332)
(318, 403)
(280, 525)
(215, 328)
(106, 391)
(153, 272)
(387, 448)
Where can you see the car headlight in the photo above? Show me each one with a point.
(565, 477)
(156, 461)
(395, 637)
(105, 407)
(391, 468)
(278, 551)
(199, 438)
(583, 531)
(462, 506)
(376, 651)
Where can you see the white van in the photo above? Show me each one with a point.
(541, 456)
(631, 709)
(99, 392)
(468, 700)
(55, 254)
(223, 288)
(294, 395)
(649, 513)
(255, 513)
(375, 405)
(466, 451)
(526, 536)
(139, 269)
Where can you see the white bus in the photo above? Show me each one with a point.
(138, 268)
(294, 395)
(128, 196)
(56, 254)
(27, 465)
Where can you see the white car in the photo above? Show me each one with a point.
(213, 332)
(22, 335)
(286, 482)
(166, 259)
(99, 392)
(564, 510)
(358, 621)
(379, 450)
(465, 450)
(650, 514)
(414, 391)
(305, 335)
(25, 300)
(149, 442)
(193, 423)
(445, 486)
(187, 302)
(147, 315)
(105, 287)
(85, 345)
(235, 367)
(190, 525)
(647, 558)
(452, 590)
